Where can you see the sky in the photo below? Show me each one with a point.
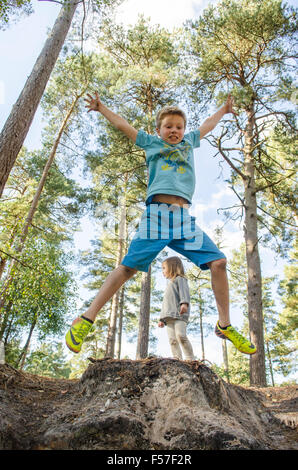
(20, 46)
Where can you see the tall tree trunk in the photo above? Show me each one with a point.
(143, 336)
(110, 346)
(225, 359)
(25, 350)
(120, 323)
(34, 204)
(2, 266)
(19, 121)
(268, 353)
(201, 323)
(255, 310)
(45, 173)
(4, 324)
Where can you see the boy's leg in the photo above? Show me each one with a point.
(180, 331)
(82, 325)
(110, 286)
(223, 327)
(207, 255)
(220, 287)
(175, 347)
(142, 251)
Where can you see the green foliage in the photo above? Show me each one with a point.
(48, 360)
(244, 47)
(237, 33)
(13, 351)
(11, 10)
(280, 326)
(202, 304)
(238, 366)
(283, 336)
(276, 165)
(146, 73)
(42, 290)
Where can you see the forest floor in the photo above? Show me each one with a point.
(27, 401)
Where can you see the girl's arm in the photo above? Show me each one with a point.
(184, 296)
(95, 104)
(183, 309)
(210, 123)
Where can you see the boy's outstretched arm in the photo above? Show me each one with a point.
(210, 123)
(95, 104)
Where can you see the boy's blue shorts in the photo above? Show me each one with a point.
(169, 225)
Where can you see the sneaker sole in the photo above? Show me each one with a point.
(69, 347)
(221, 335)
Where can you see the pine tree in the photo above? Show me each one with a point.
(19, 121)
(246, 47)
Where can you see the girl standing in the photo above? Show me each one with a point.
(176, 308)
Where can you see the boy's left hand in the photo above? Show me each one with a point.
(93, 102)
(183, 308)
(229, 105)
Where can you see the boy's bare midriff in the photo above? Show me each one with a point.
(170, 199)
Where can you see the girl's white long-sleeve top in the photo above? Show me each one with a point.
(176, 293)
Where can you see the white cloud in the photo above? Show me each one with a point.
(167, 13)
(224, 191)
(232, 241)
(217, 198)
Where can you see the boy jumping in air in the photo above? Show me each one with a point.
(166, 220)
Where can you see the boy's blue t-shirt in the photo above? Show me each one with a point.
(171, 166)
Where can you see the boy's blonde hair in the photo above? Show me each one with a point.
(175, 267)
(169, 110)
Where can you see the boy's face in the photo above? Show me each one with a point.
(172, 129)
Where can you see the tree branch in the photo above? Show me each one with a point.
(276, 218)
(275, 183)
(16, 259)
(221, 150)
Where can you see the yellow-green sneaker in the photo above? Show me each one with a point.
(77, 333)
(242, 344)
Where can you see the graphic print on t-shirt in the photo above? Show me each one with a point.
(175, 158)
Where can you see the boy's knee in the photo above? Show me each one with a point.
(173, 342)
(219, 264)
(128, 272)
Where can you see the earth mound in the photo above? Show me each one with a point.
(149, 404)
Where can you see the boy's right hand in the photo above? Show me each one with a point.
(93, 103)
(161, 324)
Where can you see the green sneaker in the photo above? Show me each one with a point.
(77, 333)
(242, 344)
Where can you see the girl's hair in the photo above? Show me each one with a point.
(169, 110)
(175, 267)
